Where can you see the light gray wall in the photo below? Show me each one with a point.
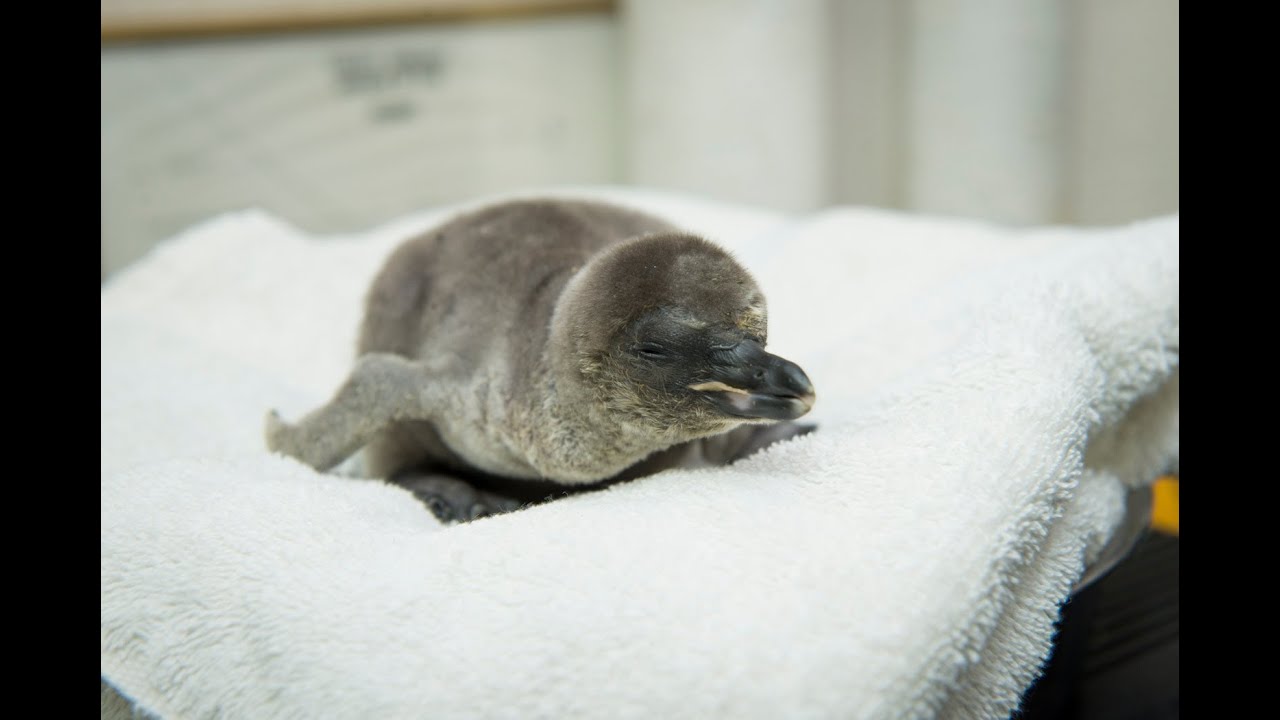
(868, 41)
(984, 99)
(340, 131)
(1122, 110)
(1016, 111)
(728, 98)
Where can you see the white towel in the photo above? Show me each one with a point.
(985, 396)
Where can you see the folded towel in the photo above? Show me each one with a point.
(986, 396)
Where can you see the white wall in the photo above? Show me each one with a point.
(339, 131)
(1017, 111)
(984, 96)
(1122, 110)
(728, 98)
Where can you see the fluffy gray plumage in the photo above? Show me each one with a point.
(564, 341)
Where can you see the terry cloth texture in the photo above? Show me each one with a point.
(986, 397)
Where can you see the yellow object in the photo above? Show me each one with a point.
(1164, 505)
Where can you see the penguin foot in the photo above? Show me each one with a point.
(452, 500)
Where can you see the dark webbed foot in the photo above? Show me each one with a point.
(453, 500)
(759, 437)
(713, 451)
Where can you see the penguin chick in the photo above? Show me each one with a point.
(551, 340)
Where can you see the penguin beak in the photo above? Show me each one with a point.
(748, 382)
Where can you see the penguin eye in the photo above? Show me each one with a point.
(650, 351)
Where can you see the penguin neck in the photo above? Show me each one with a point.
(579, 439)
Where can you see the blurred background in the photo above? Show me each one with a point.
(340, 115)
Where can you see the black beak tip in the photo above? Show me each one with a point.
(795, 380)
(760, 386)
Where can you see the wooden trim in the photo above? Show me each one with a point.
(121, 24)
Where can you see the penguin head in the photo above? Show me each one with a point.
(668, 332)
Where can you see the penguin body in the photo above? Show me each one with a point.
(552, 341)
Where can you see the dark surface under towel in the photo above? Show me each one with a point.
(1116, 653)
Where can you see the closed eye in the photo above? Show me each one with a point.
(650, 351)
